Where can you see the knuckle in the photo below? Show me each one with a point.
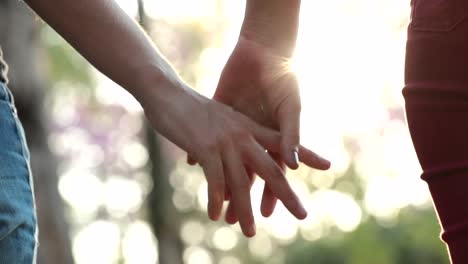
(239, 134)
(211, 146)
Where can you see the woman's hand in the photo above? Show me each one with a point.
(257, 81)
(225, 143)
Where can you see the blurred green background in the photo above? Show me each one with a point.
(109, 190)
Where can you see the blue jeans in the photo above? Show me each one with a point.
(18, 225)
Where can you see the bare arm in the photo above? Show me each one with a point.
(273, 23)
(108, 39)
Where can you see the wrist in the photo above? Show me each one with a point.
(170, 107)
(155, 86)
(273, 24)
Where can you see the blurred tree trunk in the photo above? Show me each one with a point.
(163, 215)
(20, 43)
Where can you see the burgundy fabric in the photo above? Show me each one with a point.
(436, 97)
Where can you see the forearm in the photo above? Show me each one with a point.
(111, 41)
(273, 23)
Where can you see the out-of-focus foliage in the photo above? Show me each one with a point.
(64, 64)
(182, 45)
(409, 240)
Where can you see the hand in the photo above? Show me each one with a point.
(224, 142)
(257, 82)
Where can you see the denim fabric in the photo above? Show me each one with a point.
(18, 225)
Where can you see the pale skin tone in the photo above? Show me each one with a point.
(225, 140)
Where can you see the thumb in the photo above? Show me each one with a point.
(289, 123)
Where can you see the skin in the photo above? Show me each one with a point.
(257, 82)
(267, 91)
(227, 144)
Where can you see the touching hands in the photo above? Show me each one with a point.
(257, 81)
(228, 146)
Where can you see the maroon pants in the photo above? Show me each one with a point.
(436, 96)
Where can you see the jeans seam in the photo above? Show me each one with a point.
(22, 137)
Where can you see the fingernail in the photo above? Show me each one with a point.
(295, 156)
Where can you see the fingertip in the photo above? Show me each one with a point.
(268, 204)
(191, 161)
(295, 157)
(213, 217)
(215, 203)
(214, 212)
(230, 219)
(302, 212)
(266, 212)
(291, 158)
(303, 216)
(290, 162)
(322, 164)
(251, 231)
(313, 160)
(231, 216)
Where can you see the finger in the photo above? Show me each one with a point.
(270, 171)
(191, 160)
(251, 175)
(213, 169)
(227, 193)
(269, 199)
(240, 189)
(271, 140)
(289, 123)
(312, 159)
(231, 216)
